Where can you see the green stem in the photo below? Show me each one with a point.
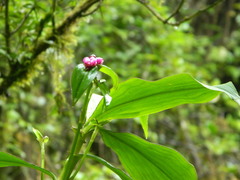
(94, 134)
(78, 140)
(42, 159)
(82, 120)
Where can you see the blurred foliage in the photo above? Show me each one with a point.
(134, 44)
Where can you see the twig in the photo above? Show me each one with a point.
(151, 9)
(54, 3)
(22, 22)
(41, 26)
(97, 7)
(186, 18)
(176, 11)
(7, 27)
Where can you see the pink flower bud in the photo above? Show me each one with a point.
(86, 60)
(92, 61)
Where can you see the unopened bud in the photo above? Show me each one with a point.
(92, 61)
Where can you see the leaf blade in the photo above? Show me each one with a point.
(136, 97)
(81, 80)
(146, 161)
(7, 160)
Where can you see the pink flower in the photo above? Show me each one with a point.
(92, 61)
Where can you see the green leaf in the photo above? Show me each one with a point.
(137, 97)
(147, 161)
(81, 80)
(7, 160)
(45, 139)
(117, 171)
(105, 91)
(144, 124)
(227, 88)
(38, 135)
(107, 70)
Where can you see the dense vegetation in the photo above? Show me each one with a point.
(42, 41)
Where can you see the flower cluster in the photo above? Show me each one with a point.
(92, 61)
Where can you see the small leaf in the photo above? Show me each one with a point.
(38, 135)
(147, 161)
(137, 97)
(7, 160)
(107, 70)
(144, 124)
(105, 91)
(117, 171)
(45, 139)
(81, 80)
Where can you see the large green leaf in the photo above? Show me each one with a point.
(117, 171)
(137, 97)
(147, 161)
(7, 160)
(81, 80)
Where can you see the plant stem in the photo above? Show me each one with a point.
(42, 159)
(82, 120)
(78, 140)
(94, 134)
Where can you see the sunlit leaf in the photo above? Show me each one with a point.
(137, 97)
(7, 160)
(147, 161)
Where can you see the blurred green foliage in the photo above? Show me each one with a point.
(135, 44)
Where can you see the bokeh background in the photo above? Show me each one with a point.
(133, 43)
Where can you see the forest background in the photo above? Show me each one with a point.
(42, 41)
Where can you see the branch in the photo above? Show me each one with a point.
(151, 9)
(176, 11)
(97, 7)
(62, 28)
(54, 3)
(186, 18)
(20, 71)
(7, 27)
(22, 22)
